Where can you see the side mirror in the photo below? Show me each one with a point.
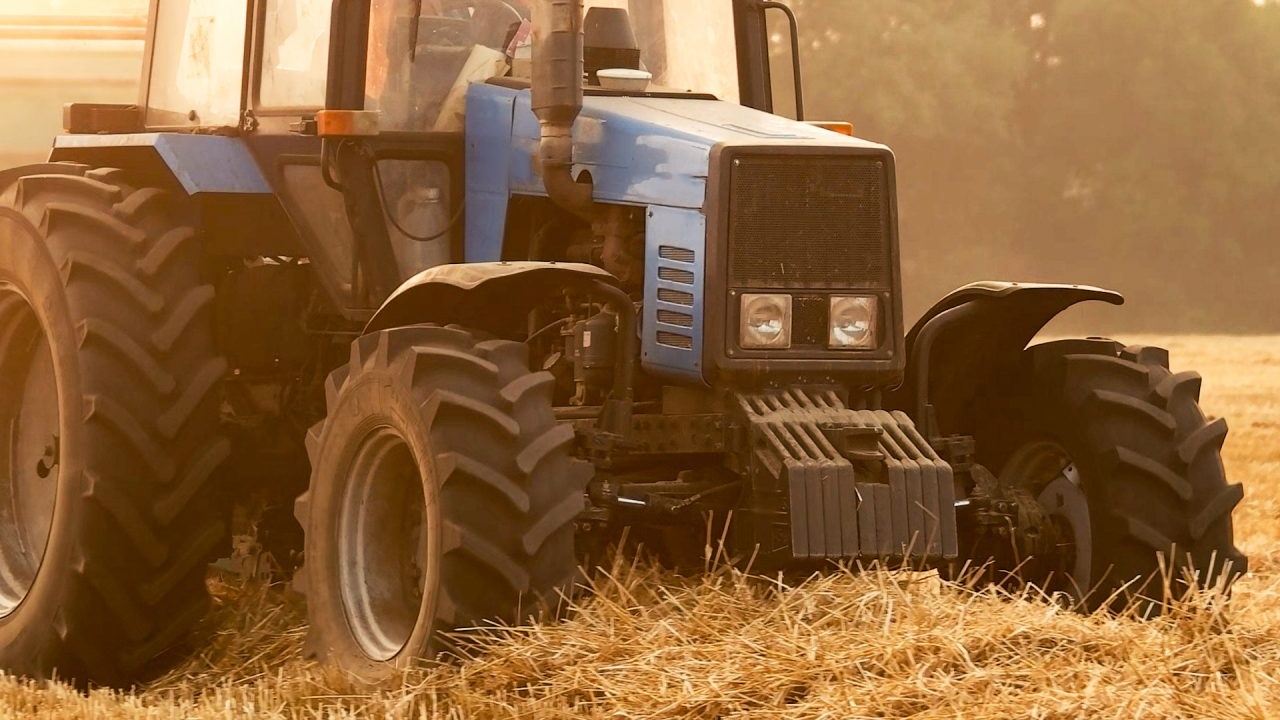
(755, 74)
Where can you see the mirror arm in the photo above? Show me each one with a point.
(795, 51)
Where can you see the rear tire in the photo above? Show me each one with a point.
(108, 377)
(1130, 434)
(442, 496)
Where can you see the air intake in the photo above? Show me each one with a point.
(809, 222)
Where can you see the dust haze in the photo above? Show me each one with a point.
(1129, 145)
(58, 51)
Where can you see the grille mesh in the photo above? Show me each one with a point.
(678, 319)
(684, 255)
(675, 297)
(809, 222)
(676, 340)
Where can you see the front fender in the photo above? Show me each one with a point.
(495, 297)
(973, 338)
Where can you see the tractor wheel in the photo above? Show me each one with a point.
(442, 496)
(109, 420)
(1128, 473)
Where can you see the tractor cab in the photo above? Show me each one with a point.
(200, 74)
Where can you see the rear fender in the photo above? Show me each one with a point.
(971, 341)
(198, 164)
(217, 172)
(494, 297)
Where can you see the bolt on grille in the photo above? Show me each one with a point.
(809, 222)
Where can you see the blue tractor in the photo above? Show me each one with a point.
(468, 286)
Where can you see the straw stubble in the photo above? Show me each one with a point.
(648, 644)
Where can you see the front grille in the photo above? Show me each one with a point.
(809, 222)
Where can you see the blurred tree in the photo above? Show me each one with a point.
(938, 81)
(1127, 144)
(1153, 161)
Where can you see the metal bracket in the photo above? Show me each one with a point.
(661, 435)
(304, 126)
(248, 122)
(855, 443)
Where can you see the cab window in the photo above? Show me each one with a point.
(424, 53)
(295, 54)
(197, 66)
(686, 44)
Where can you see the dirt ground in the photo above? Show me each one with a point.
(646, 645)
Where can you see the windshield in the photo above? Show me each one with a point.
(686, 44)
(423, 53)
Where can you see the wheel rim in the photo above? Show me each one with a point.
(383, 545)
(29, 468)
(1047, 471)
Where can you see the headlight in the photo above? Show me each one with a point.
(765, 321)
(853, 322)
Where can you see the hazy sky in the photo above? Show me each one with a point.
(94, 7)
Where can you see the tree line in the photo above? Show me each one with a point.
(1133, 145)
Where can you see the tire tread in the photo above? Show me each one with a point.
(510, 492)
(1164, 488)
(130, 276)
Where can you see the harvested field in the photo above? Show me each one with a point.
(647, 645)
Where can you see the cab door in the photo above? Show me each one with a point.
(374, 209)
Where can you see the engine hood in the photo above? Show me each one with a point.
(639, 150)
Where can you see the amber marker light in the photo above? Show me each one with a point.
(346, 123)
(835, 126)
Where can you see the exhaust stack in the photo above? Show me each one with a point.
(557, 99)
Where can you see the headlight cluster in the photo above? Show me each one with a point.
(853, 322)
(766, 320)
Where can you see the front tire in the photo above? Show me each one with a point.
(1127, 468)
(442, 495)
(108, 404)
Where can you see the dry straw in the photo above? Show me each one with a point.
(649, 644)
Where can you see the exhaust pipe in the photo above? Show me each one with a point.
(557, 100)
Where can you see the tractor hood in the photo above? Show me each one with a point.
(645, 150)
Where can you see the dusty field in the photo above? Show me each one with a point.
(838, 647)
